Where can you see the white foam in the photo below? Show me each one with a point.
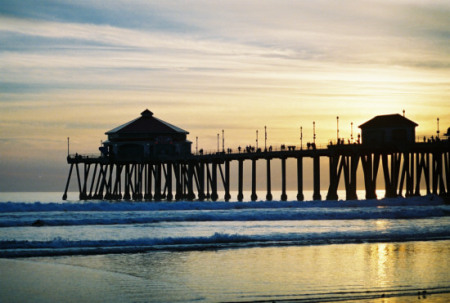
(207, 205)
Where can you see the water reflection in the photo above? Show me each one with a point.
(380, 255)
(280, 272)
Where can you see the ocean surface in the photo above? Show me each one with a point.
(394, 249)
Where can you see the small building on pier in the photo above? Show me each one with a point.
(448, 134)
(146, 138)
(388, 130)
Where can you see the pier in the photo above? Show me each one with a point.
(176, 174)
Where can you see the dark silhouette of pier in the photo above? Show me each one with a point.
(197, 176)
(404, 163)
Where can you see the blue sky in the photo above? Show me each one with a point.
(79, 68)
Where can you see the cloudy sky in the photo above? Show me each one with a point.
(79, 68)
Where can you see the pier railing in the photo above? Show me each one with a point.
(85, 156)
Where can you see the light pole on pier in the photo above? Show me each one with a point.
(256, 139)
(68, 146)
(218, 138)
(437, 132)
(337, 132)
(223, 140)
(314, 132)
(301, 138)
(196, 145)
(265, 138)
(351, 134)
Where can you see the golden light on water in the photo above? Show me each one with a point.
(381, 254)
(302, 271)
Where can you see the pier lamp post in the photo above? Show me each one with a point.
(314, 132)
(196, 145)
(437, 132)
(218, 138)
(265, 138)
(256, 139)
(301, 138)
(337, 132)
(223, 140)
(351, 133)
(68, 146)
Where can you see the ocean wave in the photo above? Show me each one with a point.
(100, 206)
(58, 246)
(71, 218)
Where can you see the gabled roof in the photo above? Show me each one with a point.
(394, 120)
(146, 123)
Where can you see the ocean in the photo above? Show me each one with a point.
(394, 250)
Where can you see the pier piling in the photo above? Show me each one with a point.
(404, 170)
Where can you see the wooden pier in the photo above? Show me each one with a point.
(196, 177)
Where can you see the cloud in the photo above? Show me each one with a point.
(232, 33)
(232, 41)
(126, 38)
(78, 68)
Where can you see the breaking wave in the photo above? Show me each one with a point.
(40, 229)
(207, 205)
(263, 214)
(58, 246)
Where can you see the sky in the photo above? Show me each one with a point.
(80, 68)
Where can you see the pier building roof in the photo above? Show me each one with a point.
(147, 123)
(394, 120)
(448, 133)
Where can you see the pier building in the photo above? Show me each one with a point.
(388, 130)
(145, 138)
(149, 159)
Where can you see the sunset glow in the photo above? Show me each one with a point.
(81, 68)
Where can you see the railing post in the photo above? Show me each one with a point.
(334, 177)
(201, 180)
(316, 195)
(269, 189)
(351, 190)
(214, 195)
(190, 172)
(158, 176)
(283, 179)
(227, 181)
(240, 196)
(254, 196)
(67, 183)
(178, 181)
(300, 196)
(169, 196)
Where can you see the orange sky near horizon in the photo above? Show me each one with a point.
(80, 69)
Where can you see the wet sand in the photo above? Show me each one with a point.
(381, 273)
(26, 281)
